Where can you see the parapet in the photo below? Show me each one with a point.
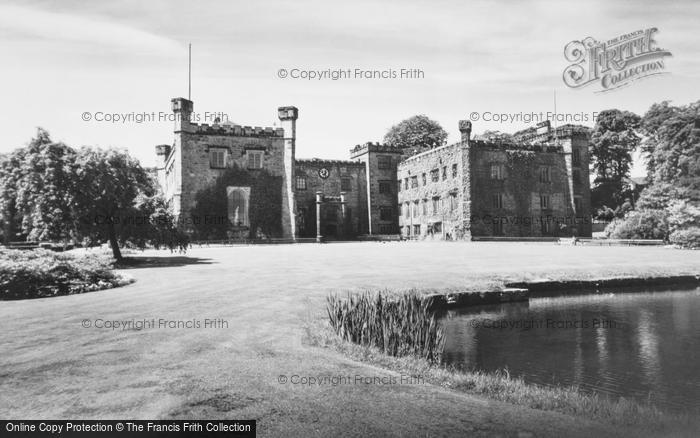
(368, 147)
(324, 162)
(506, 146)
(540, 135)
(235, 130)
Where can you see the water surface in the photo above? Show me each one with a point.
(635, 345)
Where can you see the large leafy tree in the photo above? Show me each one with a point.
(37, 186)
(613, 140)
(672, 151)
(416, 133)
(672, 146)
(110, 181)
(51, 192)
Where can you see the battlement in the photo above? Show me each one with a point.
(362, 149)
(430, 152)
(507, 146)
(324, 162)
(235, 130)
(545, 134)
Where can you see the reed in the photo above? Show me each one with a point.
(398, 325)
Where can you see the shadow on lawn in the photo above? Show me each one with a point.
(159, 262)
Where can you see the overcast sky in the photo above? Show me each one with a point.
(61, 59)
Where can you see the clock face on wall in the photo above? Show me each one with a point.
(324, 173)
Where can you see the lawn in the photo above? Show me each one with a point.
(53, 367)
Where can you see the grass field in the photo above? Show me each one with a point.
(53, 367)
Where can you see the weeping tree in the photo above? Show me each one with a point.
(51, 192)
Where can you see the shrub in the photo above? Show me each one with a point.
(639, 224)
(686, 237)
(397, 326)
(41, 273)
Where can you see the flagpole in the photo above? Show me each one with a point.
(189, 74)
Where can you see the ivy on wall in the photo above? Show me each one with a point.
(264, 209)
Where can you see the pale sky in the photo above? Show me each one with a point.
(61, 59)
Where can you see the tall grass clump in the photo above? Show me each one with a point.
(397, 326)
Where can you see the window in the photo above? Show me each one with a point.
(444, 173)
(497, 228)
(544, 202)
(454, 170)
(255, 159)
(498, 171)
(436, 204)
(437, 227)
(425, 207)
(576, 175)
(576, 157)
(414, 182)
(301, 182)
(383, 162)
(425, 180)
(398, 185)
(385, 214)
(435, 175)
(217, 158)
(497, 200)
(416, 230)
(545, 176)
(453, 202)
(345, 184)
(416, 208)
(577, 204)
(385, 187)
(406, 209)
(405, 183)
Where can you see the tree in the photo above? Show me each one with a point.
(416, 133)
(613, 140)
(672, 146)
(110, 182)
(37, 185)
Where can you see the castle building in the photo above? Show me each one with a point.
(226, 180)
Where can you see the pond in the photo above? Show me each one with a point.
(644, 346)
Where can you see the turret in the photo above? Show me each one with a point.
(182, 108)
(465, 128)
(288, 115)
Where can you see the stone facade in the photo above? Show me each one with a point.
(331, 177)
(534, 189)
(380, 162)
(477, 189)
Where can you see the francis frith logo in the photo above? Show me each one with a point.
(616, 62)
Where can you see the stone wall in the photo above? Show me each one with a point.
(434, 209)
(519, 211)
(380, 163)
(197, 172)
(355, 196)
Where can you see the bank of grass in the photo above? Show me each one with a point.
(503, 387)
(41, 273)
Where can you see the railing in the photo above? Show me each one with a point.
(621, 242)
(514, 239)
